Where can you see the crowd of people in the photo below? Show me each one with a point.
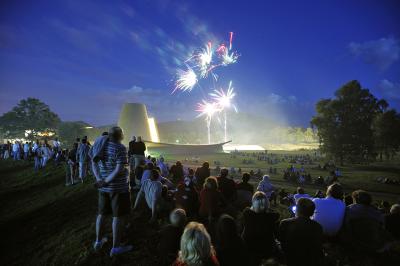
(217, 221)
(214, 220)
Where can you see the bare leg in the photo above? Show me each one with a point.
(117, 228)
(99, 227)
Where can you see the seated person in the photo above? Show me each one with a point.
(364, 224)
(329, 211)
(260, 228)
(195, 247)
(187, 198)
(227, 186)
(300, 194)
(211, 199)
(151, 189)
(301, 237)
(147, 172)
(266, 187)
(170, 236)
(244, 185)
(230, 247)
(392, 221)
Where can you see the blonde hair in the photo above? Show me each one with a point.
(195, 245)
(260, 202)
(211, 183)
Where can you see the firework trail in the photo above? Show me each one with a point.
(207, 109)
(186, 80)
(224, 101)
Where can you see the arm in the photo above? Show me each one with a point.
(96, 171)
(138, 198)
(114, 173)
(154, 209)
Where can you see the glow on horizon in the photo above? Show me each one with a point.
(153, 130)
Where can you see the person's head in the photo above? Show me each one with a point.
(224, 172)
(245, 177)
(395, 209)
(265, 178)
(139, 138)
(155, 175)
(206, 165)
(26, 142)
(150, 166)
(335, 191)
(226, 229)
(105, 133)
(116, 134)
(56, 139)
(300, 190)
(305, 207)
(162, 159)
(348, 199)
(134, 138)
(191, 172)
(195, 244)
(178, 163)
(211, 183)
(361, 197)
(153, 160)
(260, 202)
(178, 217)
(78, 140)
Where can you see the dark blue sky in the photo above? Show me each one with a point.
(85, 58)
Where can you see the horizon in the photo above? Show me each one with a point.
(86, 59)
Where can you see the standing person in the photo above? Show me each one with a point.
(211, 200)
(227, 186)
(15, 150)
(56, 145)
(37, 155)
(72, 163)
(177, 172)
(138, 150)
(7, 150)
(112, 175)
(163, 167)
(82, 157)
(301, 238)
(201, 174)
(329, 211)
(131, 151)
(45, 154)
(26, 151)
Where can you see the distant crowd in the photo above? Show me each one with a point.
(213, 220)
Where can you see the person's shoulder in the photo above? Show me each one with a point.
(288, 221)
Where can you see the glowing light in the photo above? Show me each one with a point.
(186, 80)
(207, 109)
(238, 147)
(205, 58)
(153, 130)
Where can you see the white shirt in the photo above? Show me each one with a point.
(15, 147)
(152, 191)
(56, 143)
(329, 213)
(26, 147)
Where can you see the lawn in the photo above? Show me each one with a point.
(43, 222)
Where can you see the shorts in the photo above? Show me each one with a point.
(117, 204)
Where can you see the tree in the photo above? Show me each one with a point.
(69, 131)
(29, 114)
(387, 133)
(344, 123)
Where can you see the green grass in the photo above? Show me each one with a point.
(43, 222)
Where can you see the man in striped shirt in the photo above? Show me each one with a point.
(112, 175)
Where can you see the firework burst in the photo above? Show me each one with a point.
(208, 109)
(187, 79)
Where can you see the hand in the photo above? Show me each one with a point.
(100, 184)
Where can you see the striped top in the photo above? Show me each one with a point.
(114, 153)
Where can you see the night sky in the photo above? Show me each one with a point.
(85, 58)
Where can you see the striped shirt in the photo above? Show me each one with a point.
(114, 153)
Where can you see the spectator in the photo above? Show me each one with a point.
(137, 150)
(211, 199)
(151, 189)
(260, 228)
(329, 211)
(163, 167)
(16, 151)
(201, 174)
(266, 187)
(147, 173)
(300, 194)
(227, 186)
(72, 163)
(56, 145)
(170, 236)
(230, 247)
(132, 165)
(244, 192)
(186, 197)
(37, 155)
(139, 170)
(364, 224)
(244, 185)
(196, 248)
(26, 151)
(301, 237)
(392, 221)
(112, 175)
(176, 172)
(82, 157)
(45, 154)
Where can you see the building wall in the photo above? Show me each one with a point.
(133, 120)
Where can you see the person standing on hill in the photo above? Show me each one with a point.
(82, 157)
(132, 165)
(112, 175)
(137, 150)
(201, 174)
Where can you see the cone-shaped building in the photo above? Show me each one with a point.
(133, 120)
